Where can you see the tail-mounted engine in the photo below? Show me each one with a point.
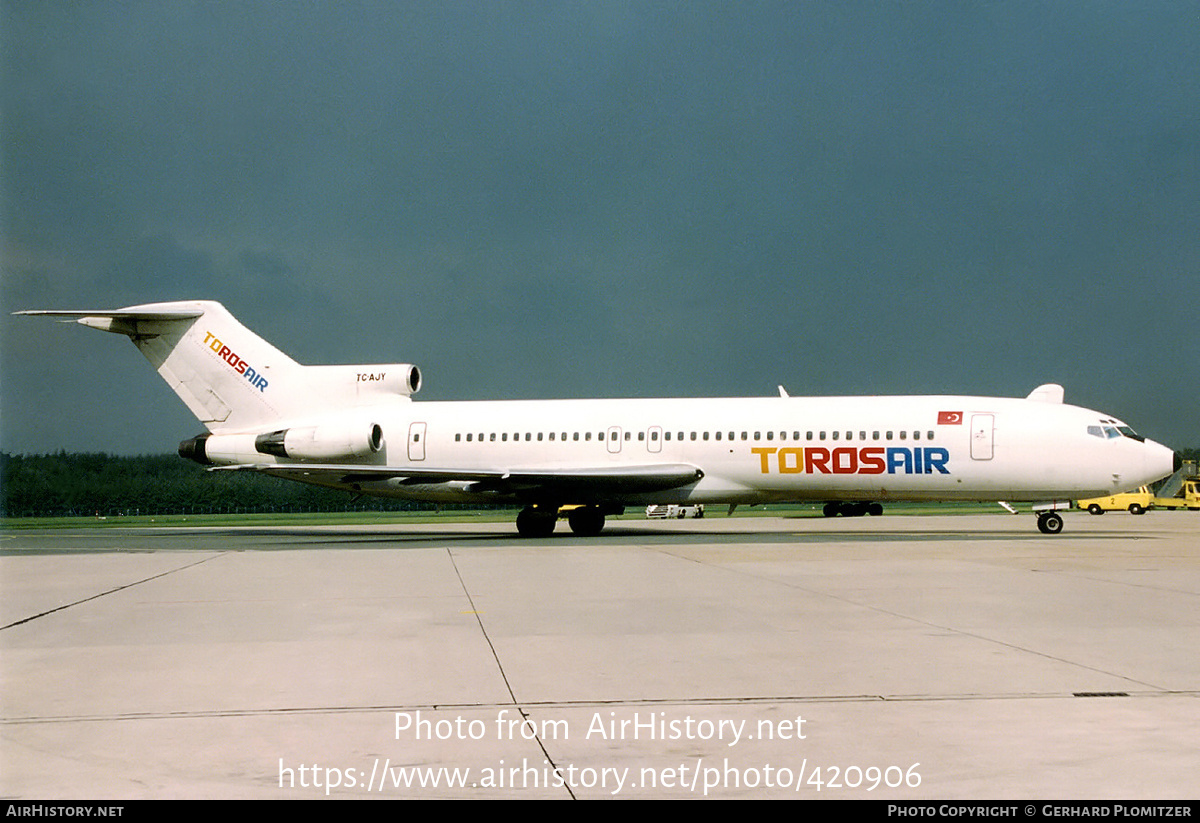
(328, 442)
(358, 383)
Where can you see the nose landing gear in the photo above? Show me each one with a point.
(1050, 522)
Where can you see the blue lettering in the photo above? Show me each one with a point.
(899, 458)
(936, 458)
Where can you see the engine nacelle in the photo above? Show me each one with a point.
(331, 441)
(326, 442)
(360, 383)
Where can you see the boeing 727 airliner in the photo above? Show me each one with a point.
(357, 428)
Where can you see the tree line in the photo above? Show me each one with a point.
(68, 484)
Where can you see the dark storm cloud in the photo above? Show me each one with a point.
(538, 199)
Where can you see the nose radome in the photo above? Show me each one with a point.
(1161, 461)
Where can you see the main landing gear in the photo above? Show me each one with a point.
(834, 508)
(539, 521)
(536, 522)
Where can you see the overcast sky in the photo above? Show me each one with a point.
(539, 199)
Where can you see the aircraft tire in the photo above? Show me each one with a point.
(534, 523)
(875, 509)
(587, 521)
(853, 509)
(1050, 523)
(831, 509)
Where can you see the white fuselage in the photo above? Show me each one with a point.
(767, 449)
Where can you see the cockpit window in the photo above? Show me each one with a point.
(1111, 430)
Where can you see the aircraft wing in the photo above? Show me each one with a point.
(554, 483)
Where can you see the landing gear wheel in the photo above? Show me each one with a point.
(831, 509)
(875, 509)
(587, 521)
(533, 522)
(1050, 523)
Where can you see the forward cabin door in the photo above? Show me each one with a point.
(982, 428)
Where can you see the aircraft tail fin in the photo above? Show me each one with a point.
(228, 377)
(232, 379)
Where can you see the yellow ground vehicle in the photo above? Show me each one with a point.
(1134, 502)
(1180, 491)
(1188, 497)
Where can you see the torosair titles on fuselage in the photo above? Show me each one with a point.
(357, 428)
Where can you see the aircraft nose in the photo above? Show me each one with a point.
(1159, 461)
